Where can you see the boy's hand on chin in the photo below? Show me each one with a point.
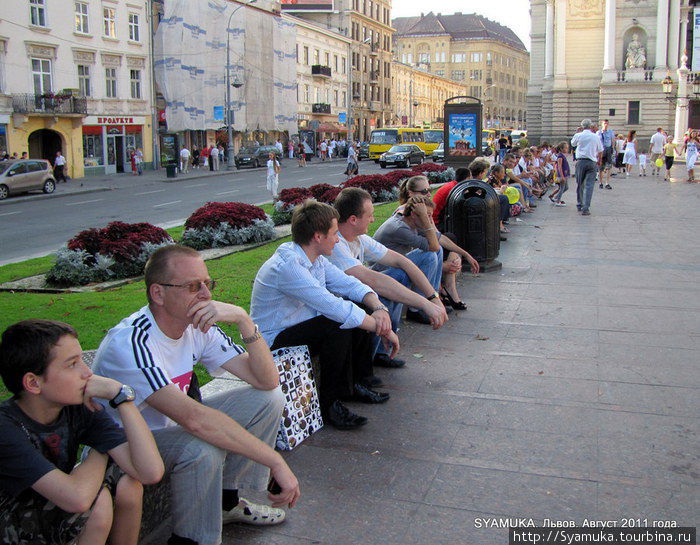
(98, 387)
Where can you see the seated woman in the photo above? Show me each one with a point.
(496, 180)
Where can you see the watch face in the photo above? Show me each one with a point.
(128, 392)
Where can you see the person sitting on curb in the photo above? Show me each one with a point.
(44, 498)
(227, 441)
(512, 180)
(355, 247)
(297, 300)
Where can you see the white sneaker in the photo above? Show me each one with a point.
(559, 204)
(253, 513)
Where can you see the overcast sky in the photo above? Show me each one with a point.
(514, 14)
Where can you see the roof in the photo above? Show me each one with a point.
(458, 26)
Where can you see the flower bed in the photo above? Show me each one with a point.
(377, 185)
(287, 200)
(119, 250)
(429, 167)
(325, 192)
(218, 224)
(395, 176)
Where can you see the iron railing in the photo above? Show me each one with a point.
(49, 103)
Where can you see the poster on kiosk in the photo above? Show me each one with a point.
(462, 130)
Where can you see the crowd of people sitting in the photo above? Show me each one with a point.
(333, 288)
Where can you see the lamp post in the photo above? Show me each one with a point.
(230, 163)
(682, 98)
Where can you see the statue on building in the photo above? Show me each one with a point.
(636, 54)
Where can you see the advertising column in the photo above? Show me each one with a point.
(462, 131)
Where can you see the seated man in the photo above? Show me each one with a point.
(44, 498)
(297, 299)
(227, 442)
(356, 211)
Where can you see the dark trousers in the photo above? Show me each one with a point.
(344, 354)
(505, 207)
(58, 173)
(586, 170)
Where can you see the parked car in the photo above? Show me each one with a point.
(22, 175)
(363, 151)
(439, 152)
(402, 156)
(255, 157)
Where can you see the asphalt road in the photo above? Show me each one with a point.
(37, 227)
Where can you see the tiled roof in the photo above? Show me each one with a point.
(459, 26)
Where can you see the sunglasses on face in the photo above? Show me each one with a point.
(421, 191)
(194, 286)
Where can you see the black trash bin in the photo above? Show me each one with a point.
(171, 170)
(473, 216)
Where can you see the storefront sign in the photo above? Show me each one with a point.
(114, 120)
(342, 117)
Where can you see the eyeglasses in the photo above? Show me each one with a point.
(193, 286)
(421, 191)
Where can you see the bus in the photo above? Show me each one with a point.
(433, 138)
(382, 139)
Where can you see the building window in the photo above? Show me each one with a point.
(306, 55)
(440, 73)
(458, 75)
(135, 77)
(92, 150)
(342, 63)
(307, 95)
(109, 17)
(459, 57)
(476, 57)
(345, 98)
(37, 12)
(489, 61)
(336, 97)
(633, 112)
(335, 62)
(424, 57)
(84, 79)
(81, 18)
(41, 75)
(475, 74)
(134, 30)
(317, 56)
(111, 82)
(328, 59)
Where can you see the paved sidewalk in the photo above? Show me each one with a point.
(567, 391)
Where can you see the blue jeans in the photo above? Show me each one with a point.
(586, 170)
(430, 263)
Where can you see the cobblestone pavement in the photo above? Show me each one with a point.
(567, 391)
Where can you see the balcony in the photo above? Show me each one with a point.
(49, 103)
(375, 105)
(321, 71)
(321, 108)
(374, 49)
(374, 76)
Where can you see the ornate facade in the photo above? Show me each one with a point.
(605, 59)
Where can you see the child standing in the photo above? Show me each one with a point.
(642, 164)
(44, 499)
(563, 172)
(273, 172)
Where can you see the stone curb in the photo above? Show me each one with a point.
(26, 198)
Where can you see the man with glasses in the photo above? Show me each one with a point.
(214, 448)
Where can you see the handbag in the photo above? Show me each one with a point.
(302, 411)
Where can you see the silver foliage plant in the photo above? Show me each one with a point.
(225, 235)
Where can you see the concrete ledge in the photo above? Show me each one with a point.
(55, 195)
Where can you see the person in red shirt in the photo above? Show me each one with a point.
(442, 194)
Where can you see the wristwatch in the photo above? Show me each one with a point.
(433, 296)
(254, 337)
(125, 394)
(380, 307)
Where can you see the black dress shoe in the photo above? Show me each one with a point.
(366, 395)
(371, 382)
(342, 418)
(417, 316)
(383, 360)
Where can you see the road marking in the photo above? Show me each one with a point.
(10, 213)
(227, 192)
(83, 202)
(149, 192)
(193, 185)
(165, 204)
(304, 179)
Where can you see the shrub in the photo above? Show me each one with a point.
(218, 224)
(329, 195)
(441, 177)
(294, 196)
(119, 250)
(397, 175)
(319, 189)
(375, 184)
(428, 167)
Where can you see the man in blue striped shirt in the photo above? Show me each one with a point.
(301, 298)
(210, 450)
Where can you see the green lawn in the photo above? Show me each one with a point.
(94, 313)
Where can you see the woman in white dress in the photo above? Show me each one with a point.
(691, 154)
(630, 157)
(273, 172)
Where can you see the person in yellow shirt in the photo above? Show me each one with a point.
(670, 152)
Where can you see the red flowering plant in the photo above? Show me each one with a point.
(119, 250)
(377, 185)
(397, 175)
(287, 200)
(218, 224)
(320, 190)
(429, 167)
(329, 195)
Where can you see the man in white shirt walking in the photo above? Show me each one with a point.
(656, 149)
(589, 150)
(184, 160)
(59, 166)
(214, 156)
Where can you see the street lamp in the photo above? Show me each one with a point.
(667, 86)
(230, 163)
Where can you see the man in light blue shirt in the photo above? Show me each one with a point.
(356, 247)
(589, 149)
(300, 298)
(607, 139)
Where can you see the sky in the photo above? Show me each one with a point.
(514, 14)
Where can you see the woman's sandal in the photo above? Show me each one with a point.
(447, 300)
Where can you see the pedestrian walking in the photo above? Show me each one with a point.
(214, 155)
(195, 157)
(607, 138)
(132, 160)
(279, 147)
(301, 155)
(691, 154)
(323, 147)
(352, 168)
(630, 158)
(184, 160)
(273, 173)
(563, 171)
(656, 150)
(620, 153)
(290, 149)
(211, 157)
(59, 165)
(139, 161)
(589, 150)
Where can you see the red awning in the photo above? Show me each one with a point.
(133, 129)
(92, 129)
(331, 127)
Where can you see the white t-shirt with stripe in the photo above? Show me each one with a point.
(136, 352)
